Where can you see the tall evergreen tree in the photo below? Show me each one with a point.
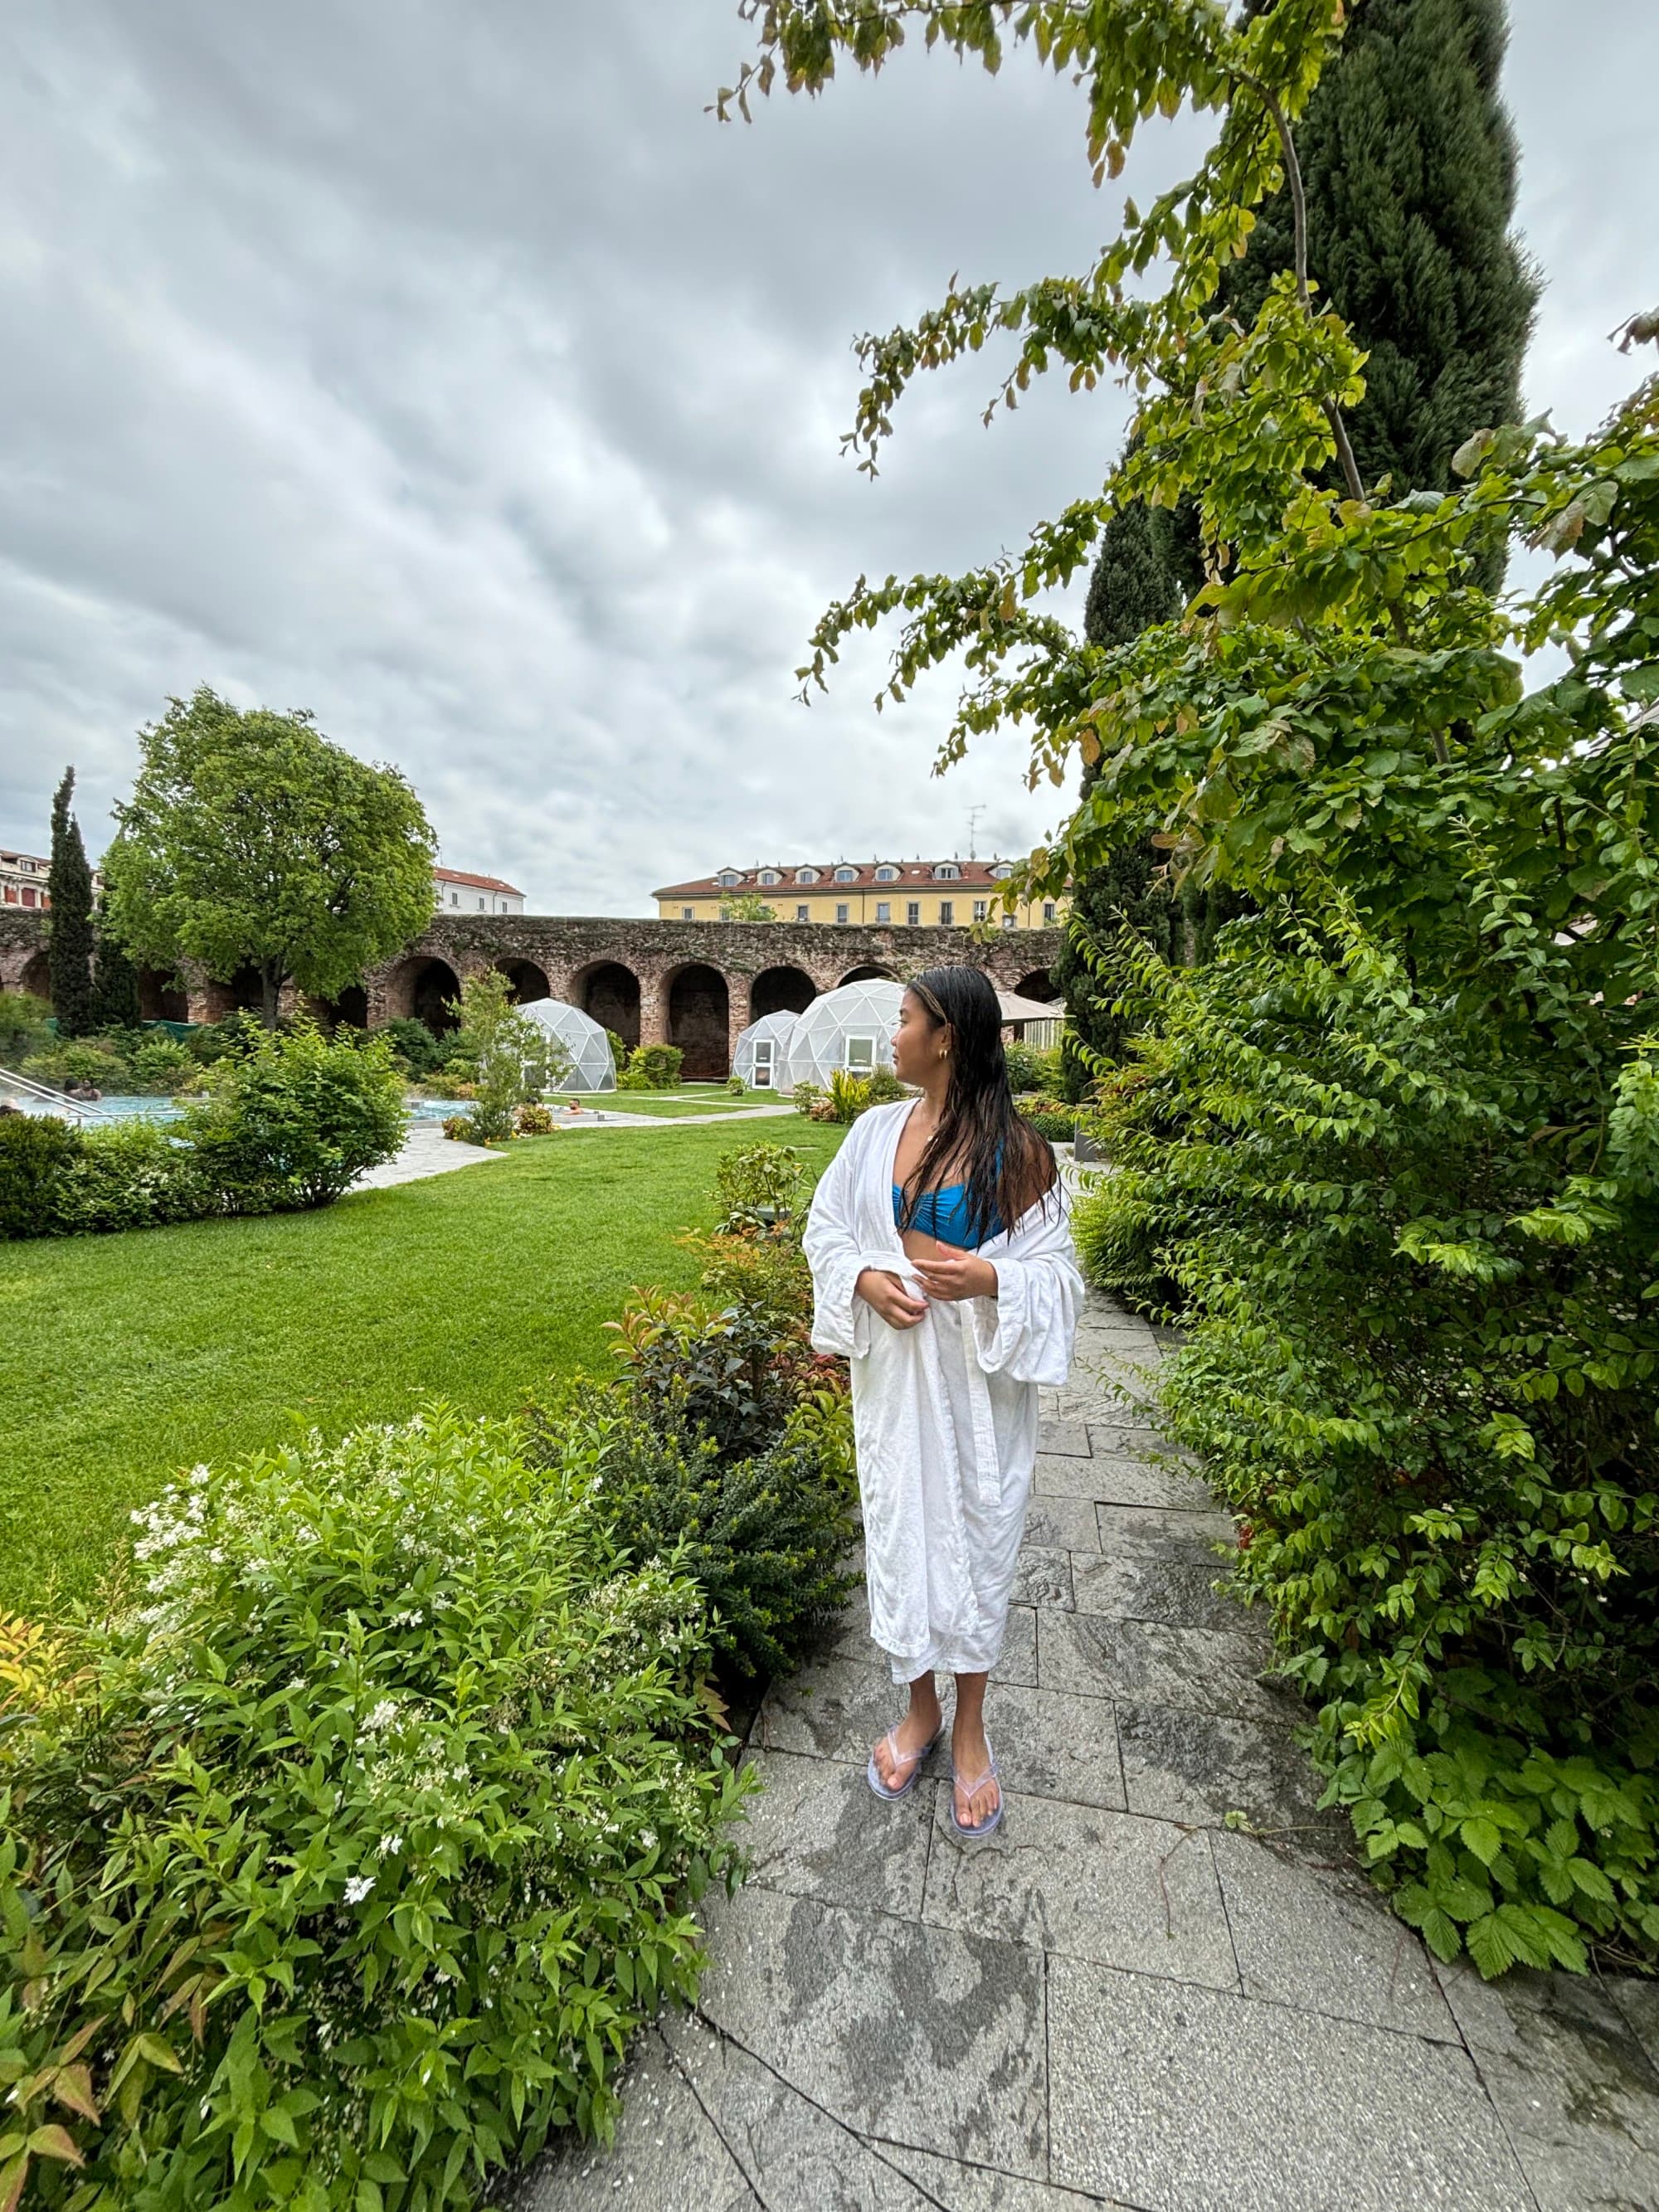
(68, 886)
(1408, 161)
(114, 981)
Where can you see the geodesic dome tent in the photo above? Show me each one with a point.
(852, 1027)
(763, 1053)
(592, 1067)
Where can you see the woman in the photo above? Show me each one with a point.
(944, 1375)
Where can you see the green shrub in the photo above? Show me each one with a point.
(764, 1536)
(849, 1095)
(533, 1121)
(1027, 1068)
(36, 1150)
(366, 1840)
(511, 1058)
(238, 1033)
(459, 1127)
(758, 1185)
(162, 1064)
(1423, 1364)
(805, 1096)
(885, 1087)
(734, 1085)
(96, 1061)
(23, 1030)
(132, 1174)
(1051, 1117)
(716, 1374)
(650, 1067)
(293, 1121)
(414, 1046)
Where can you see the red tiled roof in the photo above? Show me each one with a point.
(478, 883)
(973, 875)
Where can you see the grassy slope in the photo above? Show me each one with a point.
(129, 1357)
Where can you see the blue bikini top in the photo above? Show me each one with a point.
(944, 1213)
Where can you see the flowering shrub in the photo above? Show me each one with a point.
(368, 1840)
(459, 1127)
(534, 1119)
(133, 1175)
(650, 1067)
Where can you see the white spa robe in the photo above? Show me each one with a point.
(944, 1413)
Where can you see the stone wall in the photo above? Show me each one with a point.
(696, 984)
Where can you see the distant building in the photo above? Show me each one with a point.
(914, 893)
(23, 878)
(456, 892)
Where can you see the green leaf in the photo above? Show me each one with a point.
(1483, 1838)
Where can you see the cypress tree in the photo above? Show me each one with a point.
(1408, 162)
(68, 886)
(114, 981)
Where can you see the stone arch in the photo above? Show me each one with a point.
(36, 976)
(610, 993)
(528, 980)
(781, 990)
(872, 971)
(1039, 984)
(417, 988)
(350, 1010)
(699, 1019)
(162, 997)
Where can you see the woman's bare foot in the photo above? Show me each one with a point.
(918, 1727)
(978, 1793)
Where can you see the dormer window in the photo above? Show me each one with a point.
(1003, 868)
(728, 876)
(770, 876)
(806, 875)
(886, 875)
(947, 871)
(846, 875)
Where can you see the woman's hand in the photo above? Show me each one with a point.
(888, 1296)
(956, 1276)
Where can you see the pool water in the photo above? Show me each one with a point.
(138, 1105)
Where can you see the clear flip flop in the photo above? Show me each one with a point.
(872, 1773)
(972, 1835)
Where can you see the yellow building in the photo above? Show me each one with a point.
(913, 894)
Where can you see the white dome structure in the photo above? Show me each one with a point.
(852, 1028)
(592, 1067)
(763, 1053)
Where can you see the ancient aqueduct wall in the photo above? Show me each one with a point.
(695, 984)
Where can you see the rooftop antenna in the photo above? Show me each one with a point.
(974, 813)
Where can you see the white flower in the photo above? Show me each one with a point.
(390, 1844)
(358, 1888)
(383, 1714)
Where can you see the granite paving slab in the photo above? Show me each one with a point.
(1070, 1438)
(955, 2186)
(1190, 1529)
(1312, 1937)
(1570, 2078)
(1065, 1524)
(1043, 1575)
(816, 1828)
(1116, 1480)
(916, 2034)
(1078, 1882)
(1201, 1670)
(1201, 1766)
(1157, 1583)
(1187, 2100)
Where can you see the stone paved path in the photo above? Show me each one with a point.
(1114, 1999)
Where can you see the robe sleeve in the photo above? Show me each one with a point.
(842, 1320)
(1028, 1330)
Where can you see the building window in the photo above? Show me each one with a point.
(803, 914)
(686, 913)
(1009, 921)
(1003, 868)
(886, 875)
(481, 906)
(1049, 909)
(981, 907)
(769, 876)
(846, 875)
(947, 871)
(806, 875)
(454, 898)
(947, 913)
(912, 913)
(843, 912)
(883, 910)
(728, 876)
(862, 1053)
(28, 894)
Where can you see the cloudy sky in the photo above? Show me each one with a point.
(448, 370)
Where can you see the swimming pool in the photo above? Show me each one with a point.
(143, 1106)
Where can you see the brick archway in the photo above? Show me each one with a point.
(609, 992)
(781, 990)
(528, 980)
(416, 990)
(699, 1020)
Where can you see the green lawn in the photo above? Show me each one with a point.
(671, 1107)
(130, 1357)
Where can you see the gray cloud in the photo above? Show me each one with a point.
(451, 371)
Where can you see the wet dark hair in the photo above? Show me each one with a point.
(1005, 1164)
